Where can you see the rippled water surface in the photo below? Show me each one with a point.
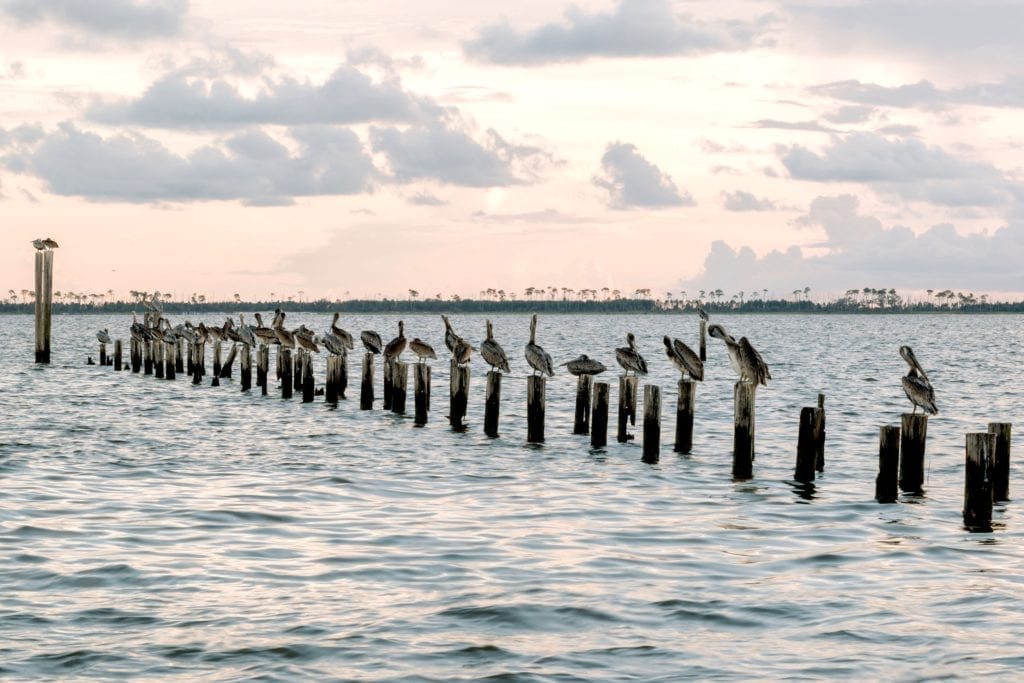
(158, 530)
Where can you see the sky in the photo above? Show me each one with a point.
(353, 149)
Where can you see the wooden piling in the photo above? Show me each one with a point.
(627, 406)
(492, 403)
(366, 387)
(581, 423)
(103, 354)
(300, 357)
(819, 434)
(458, 396)
(399, 382)
(1001, 460)
(341, 375)
(308, 382)
(331, 379)
(158, 359)
(170, 358)
(422, 393)
(388, 384)
(703, 340)
(981, 448)
(135, 350)
(599, 415)
(263, 368)
(245, 365)
(912, 446)
(118, 355)
(886, 486)
(44, 304)
(179, 356)
(652, 423)
(197, 367)
(684, 415)
(743, 430)
(535, 406)
(806, 447)
(285, 354)
(229, 362)
(216, 363)
(147, 357)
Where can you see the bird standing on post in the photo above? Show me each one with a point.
(397, 345)
(103, 336)
(584, 365)
(629, 358)
(492, 352)
(916, 385)
(422, 349)
(537, 357)
(743, 357)
(684, 358)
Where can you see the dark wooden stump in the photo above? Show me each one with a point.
(819, 434)
(197, 367)
(179, 356)
(300, 360)
(981, 448)
(806, 447)
(581, 423)
(535, 405)
(458, 397)
(135, 350)
(627, 406)
(341, 375)
(263, 368)
(147, 357)
(492, 403)
(170, 356)
(366, 388)
(886, 484)
(743, 430)
(703, 340)
(331, 380)
(118, 357)
(1001, 462)
(285, 355)
(308, 383)
(422, 393)
(912, 445)
(245, 366)
(389, 366)
(399, 382)
(158, 359)
(216, 359)
(599, 415)
(44, 304)
(652, 423)
(684, 415)
(103, 354)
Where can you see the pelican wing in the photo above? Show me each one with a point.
(920, 392)
(753, 365)
(690, 361)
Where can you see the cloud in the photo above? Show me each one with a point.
(745, 201)
(850, 114)
(906, 168)
(861, 252)
(925, 95)
(178, 100)
(130, 19)
(811, 126)
(633, 28)
(425, 199)
(632, 181)
(250, 166)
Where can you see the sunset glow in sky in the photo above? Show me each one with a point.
(369, 148)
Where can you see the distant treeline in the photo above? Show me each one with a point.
(845, 305)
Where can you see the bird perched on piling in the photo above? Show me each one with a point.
(537, 357)
(683, 357)
(334, 344)
(584, 365)
(702, 313)
(284, 337)
(422, 349)
(341, 334)
(372, 341)
(265, 334)
(743, 357)
(916, 385)
(491, 351)
(305, 338)
(38, 244)
(450, 337)
(50, 243)
(245, 332)
(629, 358)
(397, 345)
(103, 336)
(460, 348)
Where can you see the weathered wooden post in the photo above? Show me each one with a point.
(422, 393)
(229, 362)
(366, 388)
(300, 359)
(981, 448)
(263, 368)
(627, 406)
(147, 357)
(216, 363)
(886, 487)
(492, 403)
(331, 379)
(703, 340)
(684, 415)
(581, 423)
(179, 356)
(652, 423)
(308, 382)
(44, 303)
(535, 405)
(819, 433)
(399, 382)
(1001, 461)
(458, 401)
(341, 378)
(158, 359)
(388, 383)
(103, 354)
(197, 367)
(170, 358)
(806, 447)
(245, 365)
(912, 442)
(285, 354)
(599, 415)
(743, 430)
(118, 357)
(135, 349)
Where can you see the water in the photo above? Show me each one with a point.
(159, 531)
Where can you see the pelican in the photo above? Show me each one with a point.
(685, 360)
(397, 345)
(39, 244)
(422, 349)
(334, 345)
(50, 244)
(229, 332)
(284, 337)
(450, 338)
(103, 336)
(341, 334)
(245, 333)
(265, 334)
(372, 341)
(538, 358)
(702, 313)
(492, 352)
(462, 351)
(916, 385)
(185, 332)
(305, 338)
(629, 358)
(743, 357)
(584, 365)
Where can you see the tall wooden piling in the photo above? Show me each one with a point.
(458, 396)
(886, 486)
(135, 350)
(341, 375)
(330, 379)
(388, 384)
(216, 363)
(806, 447)
(170, 358)
(581, 423)
(285, 354)
(535, 407)
(263, 368)
(684, 415)
(743, 430)
(197, 367)
(245, 366)
(103, 354)
(1001, 461)
(422, 393)
(819, 434)
(981, 448)
(492, 403)
(179, 356)
(229, 362)
(599, 415)
(627, 406)
(652, 423)
(366, 387)
(308, 382)
(44, 304)
(912, 442)
(301, 356)
(703, 340)
(399, 383)
(147, 357)
(158, 359)
(118, 357)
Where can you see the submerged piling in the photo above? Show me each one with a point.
(652, 423)
(912, 445)
(978, 481)
(684, 415)
(492, 403)
(886, 486)
(44, 304)
(743, 430)
(421, 391)
(535, 405)
(366, 388)
(599, 415)
(627, 406)
(581, 423)
(1001, 460)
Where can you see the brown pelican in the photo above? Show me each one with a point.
(185, 332)
(50, 244)
(334, 344)
(538, 358)
(916, 385)
(372, 341)
(584, 365)
(305, 338)
(284, 337)
(103, 336)
(229, 332)
(265, 334)
(629, 358)
(743, 357)
(341, 334)
(245, 333)
(450, 338)
(138, 330)
(702, 313)
(462, 352)
(492, 352)
(38, 244)
(422, 349)
(685, 360)
(397, 345)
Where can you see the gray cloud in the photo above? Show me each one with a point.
(425, 199)
(632, 181)
(130, 19)
(861, 252)
(850, 114)
(634, 28)
(925, 95)
(810, 126)
(745, 201)
(904, 167)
